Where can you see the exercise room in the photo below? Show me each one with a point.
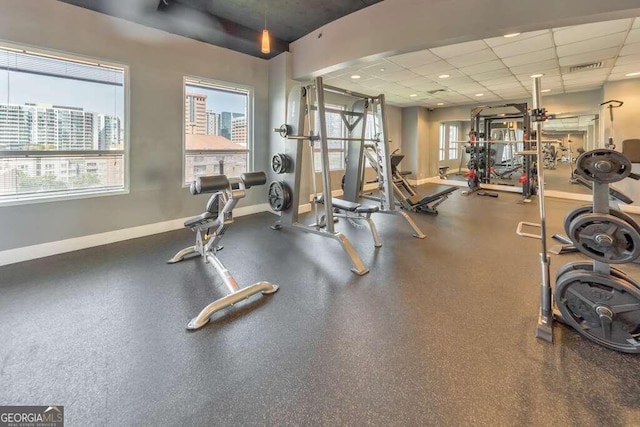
(376, 212)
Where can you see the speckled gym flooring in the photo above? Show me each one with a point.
(440, 332)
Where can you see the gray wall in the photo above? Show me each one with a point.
(158, 61)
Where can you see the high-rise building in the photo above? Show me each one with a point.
(109, 132)
(195, 114)
(213, 123)
(15, 127)
(239, 130)
(225, 123)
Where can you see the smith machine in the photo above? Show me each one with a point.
(482, 150)
(394, 191)
(306, 122)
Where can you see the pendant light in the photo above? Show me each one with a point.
(266, 43)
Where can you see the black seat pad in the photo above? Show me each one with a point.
(348, 206)
(418, 200)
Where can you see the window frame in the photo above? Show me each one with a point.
(28, 199)
(215, 83)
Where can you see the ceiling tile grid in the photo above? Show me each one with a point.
(500, 68)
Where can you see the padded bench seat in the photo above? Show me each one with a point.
(348, 206)
(418, 200)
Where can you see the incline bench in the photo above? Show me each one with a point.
(210, 226)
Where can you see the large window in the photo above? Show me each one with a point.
(448, 144)
(217, 129)
(62, 126)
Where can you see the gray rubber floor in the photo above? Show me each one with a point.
(440, 332)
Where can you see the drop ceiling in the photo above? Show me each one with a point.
(500, 68)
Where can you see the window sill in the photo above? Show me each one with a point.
(6, 201)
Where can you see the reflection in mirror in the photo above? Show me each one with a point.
(565, 136)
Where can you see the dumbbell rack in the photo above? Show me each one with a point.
(601, 302)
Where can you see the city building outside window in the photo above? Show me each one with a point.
(62, 126)
(453, 144)
(217, 128)
(442, 147)
(335, 129)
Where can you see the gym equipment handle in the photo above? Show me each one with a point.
(523, 224)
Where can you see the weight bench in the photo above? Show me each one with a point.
(217, 217)
(355, 213)
(419, 203)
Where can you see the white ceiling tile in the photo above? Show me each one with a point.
(418, 82)
(630, 49)
(586, 75)
(636, 23)
(612, 40)
(492, 75)
(434, 68)
(620, 76)
(373, 83)
(414, 59)
(626, 68)
(581, 89)
(459, 81)
(507, 86)
(483, 67)
(478, 57)
(499, 41)
(384, 67)
(530, 58)
(585, 58)
(536, 67)
(450, 51)
(629, 59)
(579, 33)
(633, 37)
(504, 80)
(396, 76)
(519, 47)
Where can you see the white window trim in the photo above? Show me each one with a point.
(250, 128)
(29, 199)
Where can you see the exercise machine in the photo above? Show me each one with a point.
(483, 153)
(408, 198)
(209, 228)
(610, 105)
(306, 122)
(599, 301)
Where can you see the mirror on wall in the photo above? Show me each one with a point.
(565, 137)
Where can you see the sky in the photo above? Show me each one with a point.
(20, 88)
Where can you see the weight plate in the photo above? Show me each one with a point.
(602, 165)
(605, 309)
(605, 238)
(284, 130)
(280, 163)
(588, 209)
(588, 266)
(279, 196)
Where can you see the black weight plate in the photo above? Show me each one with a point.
(280, 163)
(588, 209)
(603, 165)
(604, 309)
(605, 238)
(588, 266)
(279, 196)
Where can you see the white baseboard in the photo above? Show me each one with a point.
(12, 256)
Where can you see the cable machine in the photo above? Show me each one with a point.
(482, 152)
